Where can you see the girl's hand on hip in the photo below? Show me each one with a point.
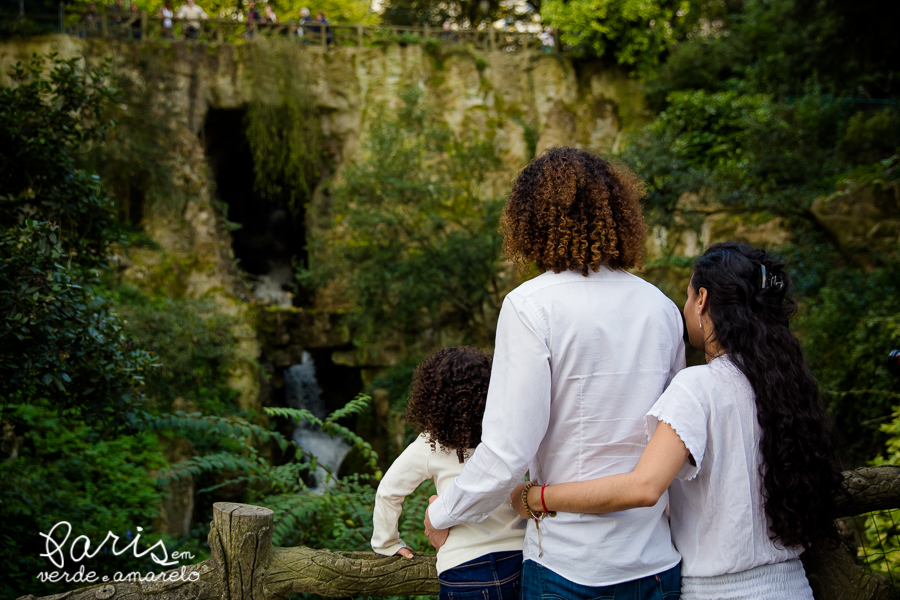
(437, 537)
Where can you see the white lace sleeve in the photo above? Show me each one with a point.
(687, 415)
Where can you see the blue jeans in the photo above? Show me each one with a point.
(540, 583)
(493, 576)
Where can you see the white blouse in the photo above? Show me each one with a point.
(719, 524)
(578, 362)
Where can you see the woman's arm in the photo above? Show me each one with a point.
(659, 464)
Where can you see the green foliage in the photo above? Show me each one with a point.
(282, 122)
(746, 151)
(465, 13)
(64, 470)
(848, 330)
(413, 241)
(765, 106)
(636, 33)
(881, 530)
(135, 160)
(45, 119)
(58, 338)
(331, 427)
(339, 518)
(784, 47)
(193, 344)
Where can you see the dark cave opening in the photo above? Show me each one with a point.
(271, 239)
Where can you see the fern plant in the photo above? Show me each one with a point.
(339, 518)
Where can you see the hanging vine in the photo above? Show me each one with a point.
(282, 122)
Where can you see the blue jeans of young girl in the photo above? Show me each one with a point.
(540, 583)
(493, 576)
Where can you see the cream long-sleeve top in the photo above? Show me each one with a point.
(578, 363)
(501, 531)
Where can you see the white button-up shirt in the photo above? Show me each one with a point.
(578, 363)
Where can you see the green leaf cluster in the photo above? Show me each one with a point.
(634, 33)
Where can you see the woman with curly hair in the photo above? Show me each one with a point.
(581, 354)
(482, 559)
(743, 441)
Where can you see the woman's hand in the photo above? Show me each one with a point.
(404, 552)
(515, 499)
(437, 537)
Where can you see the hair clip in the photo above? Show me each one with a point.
(770, 281)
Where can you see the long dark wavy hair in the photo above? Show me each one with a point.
(750, 310)
(449, 391)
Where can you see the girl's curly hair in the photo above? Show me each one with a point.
(449, 390)
(571, 210)
(750, 304)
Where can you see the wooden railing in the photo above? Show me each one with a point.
(246, 566)
(142, 27)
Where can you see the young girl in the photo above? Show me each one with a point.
(742, 440)
(447, 404)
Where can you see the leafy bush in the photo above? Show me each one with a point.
(412, 241)
(747, 151)
(785, 47)
(848, 330)
(64, 470)
(635, 33)
(45, 119)
(193, 345)
(763, 110)
(58, 340)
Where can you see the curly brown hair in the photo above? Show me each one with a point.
(449, 390)
(572, 210)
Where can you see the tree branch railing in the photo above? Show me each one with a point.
(245, 566)
(143, 27)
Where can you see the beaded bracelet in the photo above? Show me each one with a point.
(528, 510)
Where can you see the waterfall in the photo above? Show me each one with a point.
(303, 391)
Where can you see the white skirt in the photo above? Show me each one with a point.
(781, 581)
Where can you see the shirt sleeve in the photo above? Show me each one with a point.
(402, 478)
(516, 417)
(684, 413)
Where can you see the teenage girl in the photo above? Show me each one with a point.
(742, 441)
(447, 405)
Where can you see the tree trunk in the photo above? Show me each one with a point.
(869, 489)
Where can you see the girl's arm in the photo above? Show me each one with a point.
(660, 462)
(406, 473)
